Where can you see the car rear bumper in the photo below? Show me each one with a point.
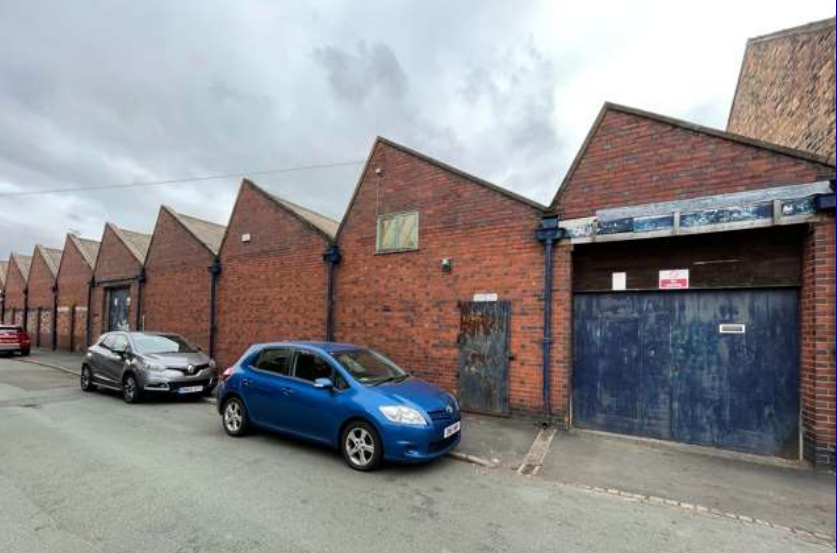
(13, 346)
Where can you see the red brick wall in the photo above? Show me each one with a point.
(15, 285)
(403, 305)
(634, 160)
(273, 287)
(786, 90)
(818, 334)
(177, 286)
(115, 261)
(41, 299)
(73, 283)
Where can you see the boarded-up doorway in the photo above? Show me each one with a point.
(484, 356)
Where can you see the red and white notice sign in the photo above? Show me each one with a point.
(674, 279)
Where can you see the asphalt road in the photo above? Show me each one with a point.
(87, 473)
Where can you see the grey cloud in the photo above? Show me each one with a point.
(369, 71)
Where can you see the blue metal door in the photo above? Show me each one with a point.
(716, 368)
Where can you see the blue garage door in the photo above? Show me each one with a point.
(715, 368)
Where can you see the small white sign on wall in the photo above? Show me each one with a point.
(620, 281)
(489, 296)
(245, 237)
(674, 279)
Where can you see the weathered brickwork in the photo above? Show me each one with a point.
(786, 91)
(116, 266)
(177, 285)
(405, 305)
(41, 294)
(16, 277)
(818, 334)
(73, 282)
(633, 157)
(273, 281)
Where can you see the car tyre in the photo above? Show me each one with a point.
(234, 417)
(131, 391)
(361, 446)
(86, 379)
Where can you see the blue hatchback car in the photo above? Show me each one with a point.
(345, 396)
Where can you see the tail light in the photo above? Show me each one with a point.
(226, 374)
(22, 337)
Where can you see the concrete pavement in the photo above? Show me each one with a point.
(88, 473)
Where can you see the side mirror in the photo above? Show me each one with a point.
(324, 384)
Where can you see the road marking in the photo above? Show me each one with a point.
(533, 461)
(685, 506)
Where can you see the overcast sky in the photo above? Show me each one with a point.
(108, 92)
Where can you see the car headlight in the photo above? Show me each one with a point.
(403, 415)
(453, 399)
(155, 367)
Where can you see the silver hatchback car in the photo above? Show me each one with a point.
(141, 363)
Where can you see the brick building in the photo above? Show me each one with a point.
(15, 293)
(119, 279)
(785, 90)
(178, 280)
(273, 279)
(702, 273)
(4, 269)
(423, 247)
(75, 287)
(43, 301)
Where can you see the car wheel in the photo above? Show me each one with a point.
(131, 392)
(361, 446)
(234, 417)
(24, 352)
(86, 379)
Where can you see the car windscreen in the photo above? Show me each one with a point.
(160, 343)
(369, 367)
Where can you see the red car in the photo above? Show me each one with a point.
(14, 339)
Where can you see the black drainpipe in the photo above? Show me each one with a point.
(54, 326)
(548, 233)
(91, 284)
(140, 282)
(332, 257)
(26, 309)
(2, 306)
(214, 273)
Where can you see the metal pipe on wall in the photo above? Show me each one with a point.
(332, 257)
(54, 322)
(214, 274)
(548, 233)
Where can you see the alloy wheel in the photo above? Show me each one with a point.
(360, 446)
(233, 417)
(129, 389)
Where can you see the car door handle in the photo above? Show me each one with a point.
(246, 382)
(286, 391)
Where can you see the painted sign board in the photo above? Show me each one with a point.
(674, 279)
(620, 281)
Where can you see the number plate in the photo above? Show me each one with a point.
(452, 429)
(190, 389)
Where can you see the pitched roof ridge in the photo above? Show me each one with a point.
(136, 242)
(49, 256)
(687, 125)
(211, 241)
(810, 27)
(323, 223)
(455, 170)
(84, 246)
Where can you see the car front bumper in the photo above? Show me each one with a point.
(174, 382)
(416, 444)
